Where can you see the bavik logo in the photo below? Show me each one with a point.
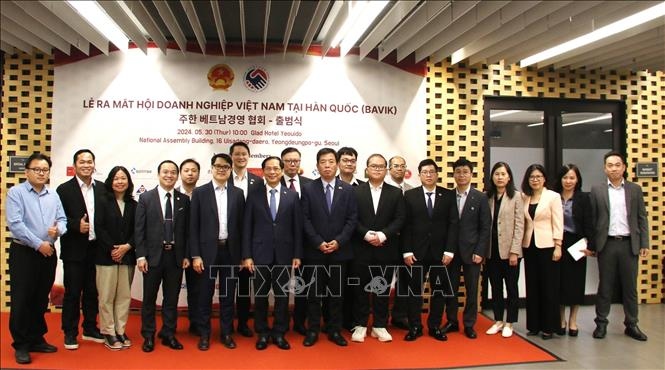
(256, 79)
(220, 77)
(140, 190)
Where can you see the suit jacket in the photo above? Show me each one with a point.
(267, 241)
(321, 225)
(388, 218)
(74, 245)
(509, 224)
(204, 222)
(636, 211)
(253, 181)
(474, 227)
(547, 225)
(114, 228)
(149, 227)
(582, 216)
(425, 237)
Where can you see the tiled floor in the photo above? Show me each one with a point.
(616, 351)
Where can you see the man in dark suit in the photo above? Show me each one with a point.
(247, 181)
(375, 249)
(215, 241)
(271, 246)
(162, 222)
(293, 181)
(81, 196)
(330, 218)
(473, 243)
(621, 238)
(430, 232)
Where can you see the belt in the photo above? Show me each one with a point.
(619, 237)
(221, 243)
(19, 242)
(168, 246)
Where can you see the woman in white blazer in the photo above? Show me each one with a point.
(503, 263)
(543, 234)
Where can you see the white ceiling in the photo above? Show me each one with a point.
(475, 31)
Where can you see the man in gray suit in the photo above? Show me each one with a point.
(621, 237)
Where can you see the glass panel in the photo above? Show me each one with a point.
(586, 137)
(516, 137)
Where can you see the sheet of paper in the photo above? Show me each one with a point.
(575, 250)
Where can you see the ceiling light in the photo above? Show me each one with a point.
(535, 124)
(366, 14)
(503, 113)
(601, 33)
(97, 18)
(608, 130)
(594, 119)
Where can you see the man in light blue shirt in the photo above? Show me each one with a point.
(36, 219)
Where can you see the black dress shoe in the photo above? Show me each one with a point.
(438, 334)
(532, 333)
(262, 342)
(204, 343)
(400, 324)
(310, 338)
(547, 336)
(148, 344)
(43, 348)
(172, 343)
(470, 332)
(600, 332)
(228, 342)
(245, 331)
(635, 333)
(337, 338)
(573, 332)
(413, 334)
(281, 342)
(300, 329)
(450, 327)
(22, 357)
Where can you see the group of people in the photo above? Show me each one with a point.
(336, 243)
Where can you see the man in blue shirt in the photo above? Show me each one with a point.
(36, 219)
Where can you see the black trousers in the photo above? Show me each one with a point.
(169, 274)
(299, 299)
(440, 288)
(224, 268)
(193, 292)
(32, 277)
(542, 277)
(400, 302)
(375, 286)
(471, 278)
(498, 272)
(243, 298)
(617, 262)
(275, 278)
(328, 281)
(79, 278)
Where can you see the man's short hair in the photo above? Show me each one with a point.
(463, 162)
(346, 150)
(224, 156)
(324, 151)
(290, 150)
(427, 162)
(239, 143)
(36, 156)
(190, 160)
(614, 153)
(159, 168)
(81, 151)
(281, 163)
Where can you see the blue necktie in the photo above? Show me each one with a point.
(329, 197)
(430, 208)
(273, 204)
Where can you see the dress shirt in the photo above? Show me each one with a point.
(404, 186)
(30, 214)
(296, 183)
(182, 190)
(461, 200)
(353, 182)
(618, 211)
(376, 195)
(88, 192)
(241, 182)
(162, 200)
(277, 195)
(222, 199)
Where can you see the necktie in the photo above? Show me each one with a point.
(329, 197)
(168, 219)
(273, 204)
(293, 185)
(459, 203)
(430, 208)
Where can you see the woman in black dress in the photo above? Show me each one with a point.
(577, 224)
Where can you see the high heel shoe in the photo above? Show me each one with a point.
(561, 331)
(573, 332)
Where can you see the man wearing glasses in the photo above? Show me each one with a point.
(216, 216)
(35, 218)
(347, 158)
(428, 238)
(375, 249)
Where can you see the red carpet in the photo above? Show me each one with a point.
(426, 352)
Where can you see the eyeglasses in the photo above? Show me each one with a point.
(462, 173)
(221, 167)
(348, 161)
(376, 167)
(399, 166)
(536, 178)
(40, 170)
(292, 161)
(428, 173)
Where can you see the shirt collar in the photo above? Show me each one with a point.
(29, 187)
(609, 183)
(216, 186)
(162, 192)
(464, 193)
(236, 177)
(81, 183)
(425, 191)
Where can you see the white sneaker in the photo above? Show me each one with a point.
(507, 330)
(382, 334)
(359, 334)
(495, 328)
